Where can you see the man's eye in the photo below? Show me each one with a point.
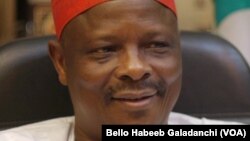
(158, 45)
(104, 52)
(108, 49)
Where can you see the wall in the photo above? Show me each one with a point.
(193, 15)
(196, 15)
(7, 20)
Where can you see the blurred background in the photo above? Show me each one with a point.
(226, 18)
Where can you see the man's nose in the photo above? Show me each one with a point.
(133, 66)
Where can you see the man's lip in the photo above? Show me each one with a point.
(134, 100)
(134, 95)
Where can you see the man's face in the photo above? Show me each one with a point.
(122, 63)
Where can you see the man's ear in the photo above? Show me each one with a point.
(57, 56)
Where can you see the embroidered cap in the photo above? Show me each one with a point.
(65, 10)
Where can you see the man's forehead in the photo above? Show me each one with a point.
(65, 10)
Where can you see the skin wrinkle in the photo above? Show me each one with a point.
(109, 50)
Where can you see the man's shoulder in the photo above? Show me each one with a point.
(180, 118)
(57, 129)
(61, 129)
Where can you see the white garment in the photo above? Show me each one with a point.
(62, 129)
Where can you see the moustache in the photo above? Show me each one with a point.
(159, 85)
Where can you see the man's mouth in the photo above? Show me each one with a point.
(135, 99)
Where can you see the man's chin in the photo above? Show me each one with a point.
(147, 119)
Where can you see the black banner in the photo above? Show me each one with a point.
(164, 132)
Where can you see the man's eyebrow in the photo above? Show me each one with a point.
(106, 37)
(146, 36)
(150, 35)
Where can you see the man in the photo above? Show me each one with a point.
(121, 61)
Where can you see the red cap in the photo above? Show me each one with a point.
(65, 10)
